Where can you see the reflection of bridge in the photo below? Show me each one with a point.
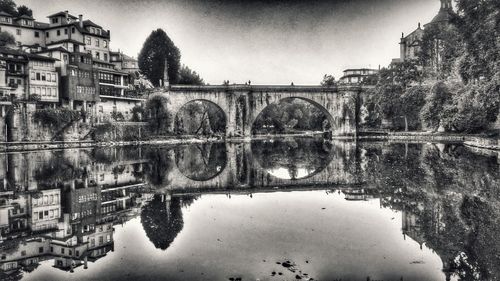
(242, 104)
(242, 171)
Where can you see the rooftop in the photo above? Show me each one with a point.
(62, 14)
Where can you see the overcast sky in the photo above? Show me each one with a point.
(265, 41)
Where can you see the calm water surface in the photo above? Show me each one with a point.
(282, 209)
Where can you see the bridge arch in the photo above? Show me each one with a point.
(217, 116)
(201, 162)
(331, 119)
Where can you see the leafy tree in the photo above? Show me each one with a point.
(8, 6)
(159, 117)
(328, 81)
(449, 48)
(433, 112)
(478, 24)
(157, 48)
(410, 104)
(189, 77)
(24, 10)
(6, 38)
(403, 74)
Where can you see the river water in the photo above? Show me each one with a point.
(280, 209)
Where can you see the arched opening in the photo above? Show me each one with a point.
(200, 117)
(295, 158)
(201, 162)
(293, 116)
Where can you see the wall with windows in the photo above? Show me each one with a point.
(45, 209)
(106, 106)
(61, 33)
(25, 35)
(44, 80)
(98, 47)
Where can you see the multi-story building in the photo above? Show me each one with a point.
(116, 98)
(45, 210)
(43, 78)
(80, 88)
(123, 62)
(14, 83)
(358, 76)
(24, 28)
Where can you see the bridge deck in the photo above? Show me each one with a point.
(261, 88)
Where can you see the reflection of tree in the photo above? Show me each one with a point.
(201, 161)
(158, 167)
(309, 154)
(58, 170)
(453, 194)
(162, 219)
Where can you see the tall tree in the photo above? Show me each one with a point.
(189, 77)
(157, 48)
(8, 6)
(24, 10)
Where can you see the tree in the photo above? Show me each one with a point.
(189, 77)
(8, 6)
(159, 116)
(157, 48)
(478, 25)
(328, 81)
(23, 10)
(6, 38)
(439, 99)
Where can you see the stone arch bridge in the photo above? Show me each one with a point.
(242, 104)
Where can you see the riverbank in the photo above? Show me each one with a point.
(469, 140)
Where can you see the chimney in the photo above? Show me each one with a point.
(66, 15)
(418, 25)
(80, 20)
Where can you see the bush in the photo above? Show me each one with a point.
(57, 117)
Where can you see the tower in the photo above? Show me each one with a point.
(166, 82)
(446, 5)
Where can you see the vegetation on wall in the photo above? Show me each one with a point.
(6, 38)
(57, 117)
(158, 115)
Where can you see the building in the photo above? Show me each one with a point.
(43, 79)
(358, 76)
(124, 62)
(13, 73)
(80, 86)
(411, 45)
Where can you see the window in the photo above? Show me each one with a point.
(89, 40)
(105, 57)
(97, 55)
(72, 30)
(38, 76)
(40, 249)
(47, 34)
(32, 75)
(105, 43)
(55, 20)
(40, 215)
(51, 249)
(43, 77)
(23, 253)
(18, 31)
(97, 42)
(101, 240)
(62, 250)
(65, 31)
(37, 34)
(58, 32)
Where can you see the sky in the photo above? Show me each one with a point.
(266, 41)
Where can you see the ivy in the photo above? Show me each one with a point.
(57, 117)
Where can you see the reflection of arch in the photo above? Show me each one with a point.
(177, 120)
(317, 105)
(328, 159)
(201, 162)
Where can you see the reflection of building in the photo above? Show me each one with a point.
(72, 224)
